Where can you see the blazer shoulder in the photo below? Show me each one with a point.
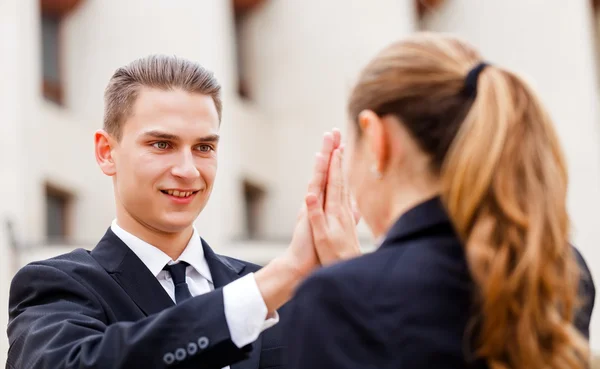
(48, 274)
(587, 295)
(586, 281)
(67, 262)
(583, 266)
(45, 281)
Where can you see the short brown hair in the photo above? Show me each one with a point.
(155, 71)
(504, 184)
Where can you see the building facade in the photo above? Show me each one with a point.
(286, 67)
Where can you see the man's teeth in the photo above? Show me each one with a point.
(178, 193)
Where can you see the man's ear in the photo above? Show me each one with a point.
(375, 134)
(104, 145)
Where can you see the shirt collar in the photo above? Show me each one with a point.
(155, 259)
(379, 241)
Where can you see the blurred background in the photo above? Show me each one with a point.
(286, 67)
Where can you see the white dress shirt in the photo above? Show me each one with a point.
(379, 241)
(245, 309)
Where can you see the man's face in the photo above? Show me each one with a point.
(166, 161)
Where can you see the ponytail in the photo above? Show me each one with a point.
(504, 182)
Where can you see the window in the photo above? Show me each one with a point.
(595, 8)
(253, 200)
(241, 9)
(58, 213)
(423, 6)
(52, 14)
(50, 59)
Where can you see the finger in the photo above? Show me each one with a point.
(316, 218)
(335, 184)
(301, 211)
(330, 143)
(337, 142)
(321, 167)
(346, 197)
(337, 138)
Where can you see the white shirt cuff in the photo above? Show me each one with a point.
(245, 311)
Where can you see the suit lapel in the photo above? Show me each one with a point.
(222, 269)
(225, 271)
(131, 274)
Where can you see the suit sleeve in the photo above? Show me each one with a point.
(328, 329)
(56, 322)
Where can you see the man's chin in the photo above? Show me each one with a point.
(177, 222)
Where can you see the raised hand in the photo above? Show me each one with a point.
(331, 217)
(301, 253)
(278, 280)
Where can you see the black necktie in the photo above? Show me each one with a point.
(177, 271)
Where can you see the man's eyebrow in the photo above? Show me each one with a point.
(210, 138)
(171, 137)
(160, 135)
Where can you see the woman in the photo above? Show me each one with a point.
(456, 166)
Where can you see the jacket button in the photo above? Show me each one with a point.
(169, 358)
(203, 343)
(180, 354)
(192, 348)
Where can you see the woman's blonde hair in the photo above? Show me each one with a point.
(504, 184)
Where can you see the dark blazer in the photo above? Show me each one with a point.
(105, 309)
(406, 305)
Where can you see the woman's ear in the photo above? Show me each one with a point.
(103, 144)
(374, 132)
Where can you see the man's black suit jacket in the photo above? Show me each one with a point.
(104, 309)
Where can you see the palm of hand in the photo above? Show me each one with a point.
(340, 239)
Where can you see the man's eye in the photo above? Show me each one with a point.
(205, 148)
(161, 145)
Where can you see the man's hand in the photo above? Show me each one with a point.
(333, 223)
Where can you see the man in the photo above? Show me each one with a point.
(152, 293)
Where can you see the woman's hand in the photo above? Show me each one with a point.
(333, 223)
(301, 255)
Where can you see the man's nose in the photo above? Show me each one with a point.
(186, 167)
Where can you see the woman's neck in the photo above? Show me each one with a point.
(401, 201)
